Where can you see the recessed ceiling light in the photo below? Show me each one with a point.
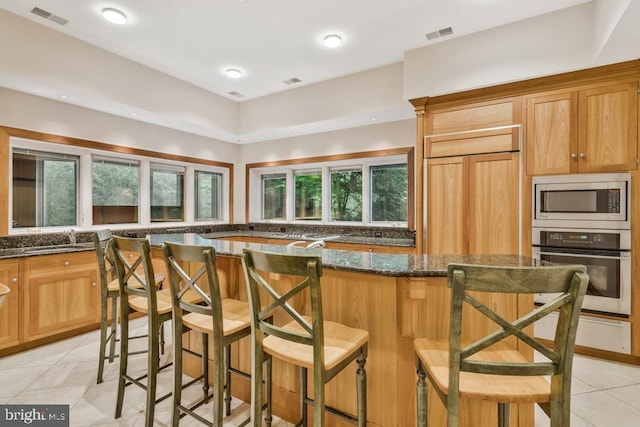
(332, 40)
(114, 16)
(233, 73)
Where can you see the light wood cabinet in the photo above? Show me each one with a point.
(484, 127)
(593, 129)
(10, 311)
(473, 205)
(62, 293)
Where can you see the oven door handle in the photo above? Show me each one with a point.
(584, 255)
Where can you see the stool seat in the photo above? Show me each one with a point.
(340, 342)
(235, 317)
(164, 301)
(492, 388)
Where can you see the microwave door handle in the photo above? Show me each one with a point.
(581, 255)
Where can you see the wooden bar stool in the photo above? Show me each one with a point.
(109, 293)
(307, 341)
(225, 320)
(138, 294)
(491, 369)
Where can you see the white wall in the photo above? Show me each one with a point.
(547, 44)
(39, 56)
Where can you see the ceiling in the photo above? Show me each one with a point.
(272, 41)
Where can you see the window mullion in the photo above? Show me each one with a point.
(366, 193)
(144, 212)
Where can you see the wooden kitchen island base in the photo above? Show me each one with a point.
(394, 310)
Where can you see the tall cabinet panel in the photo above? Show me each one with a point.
(446, 204)
(494, 213)
(472, 204)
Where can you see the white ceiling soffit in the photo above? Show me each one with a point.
(271, 42)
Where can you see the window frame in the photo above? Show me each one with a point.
(86, 151)
(326, 164)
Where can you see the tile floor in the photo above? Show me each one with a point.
(605, 394)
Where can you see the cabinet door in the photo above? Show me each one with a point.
(608, 128)
(494, 204)
(446, 206)
(10, 311)
(552, 134)
(62, 293)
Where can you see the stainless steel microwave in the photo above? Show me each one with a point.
(582, 201)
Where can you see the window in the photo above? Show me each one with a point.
(308, 195)
(346, 194)
(114, 185)
(167, 193)
(347, 190)
(45, 189)
(274, 196)
(389, 193)
(208, 197)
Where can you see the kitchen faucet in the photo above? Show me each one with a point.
(72, 235)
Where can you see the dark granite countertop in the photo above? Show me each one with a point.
(311, 236)
(396, 265)
(44, 250)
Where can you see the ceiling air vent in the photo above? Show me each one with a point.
(292, 80)
(48, 15)
(440, 33)
(236, 94)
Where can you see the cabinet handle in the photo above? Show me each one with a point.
(66, 263)
(14, 280)
(583, 155)
(93, 284)
(574, 156)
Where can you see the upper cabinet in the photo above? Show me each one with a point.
(593, 129)
(478, 128)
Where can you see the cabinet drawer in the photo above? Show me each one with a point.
(47, 264)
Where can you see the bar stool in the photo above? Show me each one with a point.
(109, 292)
(225, 320)
(308, 342)
(137, 294)
(490, 369)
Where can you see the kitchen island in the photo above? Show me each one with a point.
(396, 297)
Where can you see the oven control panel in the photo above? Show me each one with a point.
(580, 239)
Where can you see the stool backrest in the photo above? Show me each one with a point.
(468, 282)
(177, 257)
(259, 267)
(132, 257)
(102, 241)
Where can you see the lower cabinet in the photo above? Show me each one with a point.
(61, 293)
(10, 311)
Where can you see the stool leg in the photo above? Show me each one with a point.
(361, 385)
(303, 396)
(177, 372)
(113, 334)
(205, 366)
(103, 338)
(124, 357)
(227, 380)
(268, 391)
(256, 382)
(153, 362)
(421, 394)
(503, 414)
(218, 373)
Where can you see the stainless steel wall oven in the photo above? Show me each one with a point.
(586, 219)
(607, 256)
